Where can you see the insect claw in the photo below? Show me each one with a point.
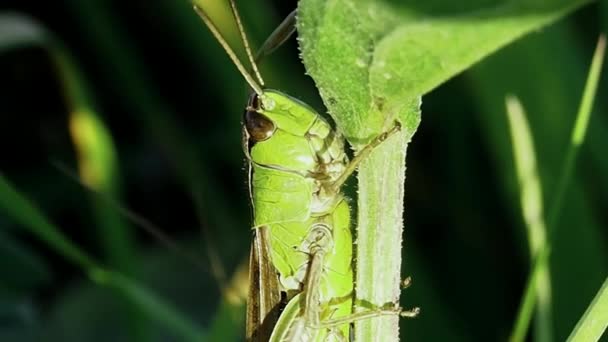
(410, 313)
(397, 125)
(407, 282)
(396, 128)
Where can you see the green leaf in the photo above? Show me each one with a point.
(595, 320)
(370, 59)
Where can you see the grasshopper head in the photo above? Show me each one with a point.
(272, 111)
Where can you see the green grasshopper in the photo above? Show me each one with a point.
(302, 246)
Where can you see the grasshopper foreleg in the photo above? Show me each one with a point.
(364, 153)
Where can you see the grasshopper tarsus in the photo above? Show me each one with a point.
(412, 313)
(406, 283)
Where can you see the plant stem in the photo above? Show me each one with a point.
(380, 227)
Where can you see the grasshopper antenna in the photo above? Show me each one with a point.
(239, 24)
(279, 36)
(257, 87)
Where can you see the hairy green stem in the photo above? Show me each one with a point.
(380, 227)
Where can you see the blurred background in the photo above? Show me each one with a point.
(138, 99)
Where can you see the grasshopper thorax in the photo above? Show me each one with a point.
(283, 133)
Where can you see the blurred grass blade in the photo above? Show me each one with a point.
(24, 213)
(97, 159)
(99, 170)
(30, 218)
(98, 23)
(532, 211)
(148, 302)
(113, 46)
(97, 166)
(22, 268)
(97, 156)
(232, 305)
(135, 219)
(580, 130)
(97, 162)
(578, 135)
(594, 321)
(18, 31)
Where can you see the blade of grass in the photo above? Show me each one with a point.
(22, 268)
(135, 219)
(148, 302)
(98, 167)
(578, 134)
(594, 321)
(97, 161)
(580, 129)
(120, 55)
(532, 210)
(552, 98)
(230, 311)
(33, 220)
(25, 214)
(98, 23)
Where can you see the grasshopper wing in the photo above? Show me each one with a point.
(264, 299)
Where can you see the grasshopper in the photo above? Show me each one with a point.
(301, 252)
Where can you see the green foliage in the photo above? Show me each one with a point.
(533, 215)
(593, 323)
(532, 203)
(372, 74)
(97, 163)
(18, 208)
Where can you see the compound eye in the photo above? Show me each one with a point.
(258, 126)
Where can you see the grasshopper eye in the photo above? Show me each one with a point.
(258, 126)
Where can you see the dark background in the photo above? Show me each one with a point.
(172, 102)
